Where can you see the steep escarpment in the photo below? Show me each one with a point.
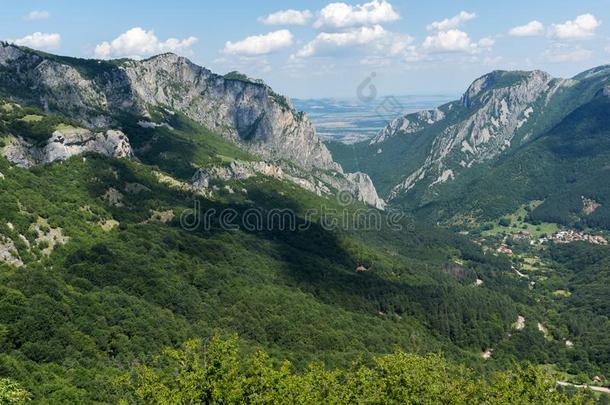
(498, 114)
(99, 95)
(96, 92)
(248, 112)
(66, 142)
(434, 156)
(409, 124)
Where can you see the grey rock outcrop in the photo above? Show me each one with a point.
(247, 112)
(364, 190)
(495, 115)
(319, 182)
(409, 124)
(67, 142)
(8, 252)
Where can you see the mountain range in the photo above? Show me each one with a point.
(130, 255)
(512, 138)
(102, 95)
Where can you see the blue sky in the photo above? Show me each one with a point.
(326, 49)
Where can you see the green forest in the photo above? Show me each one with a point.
(112, 300)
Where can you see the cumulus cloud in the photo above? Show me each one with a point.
(39, 40)
(486, 43)
(327, 42)
(287, 17)
(37, 15)
(398, 44)
(455, 41)
(138, 43)
(342, 15)
(451, 23)
(566, 53)
(531, 29)
(373, 45)
(583, 26)
(260, 44)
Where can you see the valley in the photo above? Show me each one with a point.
(122, 267)
(350, 120)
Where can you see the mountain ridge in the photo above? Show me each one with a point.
(415, 159)
(99, 94)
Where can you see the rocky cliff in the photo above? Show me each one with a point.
(496, 107)
(66, 142)
(322, 183)
(96, 92)
(420, 152)
(409, 124)
(99, 94)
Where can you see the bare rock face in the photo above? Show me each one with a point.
(8, 252)
(236, 170)
(364, 190)
(495, 113)
(67, 142)
(245, 111)
(51, 85)
(319, 182)
(409, 124)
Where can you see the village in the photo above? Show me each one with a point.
(569, 236)
(564, 236)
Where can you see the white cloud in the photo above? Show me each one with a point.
(342, 15)
(454, 41)
(531, 29)
(492, 60)
(287, 17)
(260, 44)
(37, 15)
(39, 40)
(486, 43)
(565, 53)
(398, 44)
(327, 42)
(138, 43)
(583, 26)
(451, 23)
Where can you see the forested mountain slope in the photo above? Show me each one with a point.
(98, 272)
(448, 161)
(104, 267)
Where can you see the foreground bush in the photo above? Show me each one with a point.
(220, 373)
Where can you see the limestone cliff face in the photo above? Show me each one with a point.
(494, 111)
(409, 124)
(247, 112)
(321, 183)
(67, 142)
(99, 93)
(56, 87)
(364, 190)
